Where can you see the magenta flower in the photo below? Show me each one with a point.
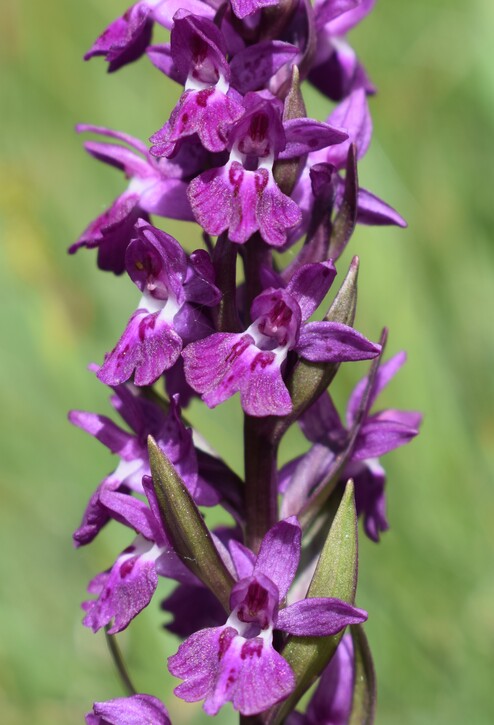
(173, 287)
(237, 662)
(198, 58)
(125, 589)
(127, 38)
(373, 435)
(251, 362)
(336, 70)
(242, 196)
(156, 187)
(134, 710)
(249, 68)
(144, 418)
(353, 115)
(324, 167)
(239, 156)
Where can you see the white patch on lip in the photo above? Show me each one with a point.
(193, 84)
(243, 627)
(264, 343)
(168, 308)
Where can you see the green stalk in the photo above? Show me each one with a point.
(119, 663)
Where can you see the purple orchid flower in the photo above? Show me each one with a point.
(331, 703)
(251, 362)
(237, 661)
(173, 287)
(156, 187)
(353, 115)
(133, 710)
(143, 418)
(126, 589)
(325, 166)
(127, 38)
(198, 58)
(242, 196)
(375, 435)
(336, 70)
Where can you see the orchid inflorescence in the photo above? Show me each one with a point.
(261, 606)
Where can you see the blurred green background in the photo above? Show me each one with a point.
(429, 584)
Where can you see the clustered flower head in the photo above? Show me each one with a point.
(265, 605)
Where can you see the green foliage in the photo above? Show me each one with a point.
(183, 523)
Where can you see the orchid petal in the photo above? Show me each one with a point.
(318, 617)
(375, 212)
(252, 68)
(310, 284)
(280, 553)
(384, 375)
(334, 342)
(305, 135)
(106, 431)
(353, 115)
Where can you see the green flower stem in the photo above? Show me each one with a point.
(118, 660)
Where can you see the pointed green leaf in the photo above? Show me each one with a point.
(346, 218)
(294, 106)
(287, 171)
(185, 526)
(344, 305)
(335, 576)
(364, 689)
(308, 380)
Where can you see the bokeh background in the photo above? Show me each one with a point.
(429, 584)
